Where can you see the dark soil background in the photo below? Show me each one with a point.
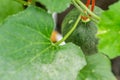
(104, 4)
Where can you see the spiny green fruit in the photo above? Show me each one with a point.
(84, 35)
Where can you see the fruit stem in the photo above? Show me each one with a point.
(89, 11)
(70, 32)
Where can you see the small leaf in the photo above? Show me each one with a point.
(98, 68)
(26, 52)
(109, 31)
(9, 7)
(55, 5)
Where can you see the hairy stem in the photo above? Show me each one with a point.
(77, 6)
(89, 11)
(70, 32)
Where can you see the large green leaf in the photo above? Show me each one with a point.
(26, 52)
(55, 5)
(9, 7)
(109, 31)
(98, 68)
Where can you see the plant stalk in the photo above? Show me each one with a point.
(70, 32)
(89, 11)
(77, 6)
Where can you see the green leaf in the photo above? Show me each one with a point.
(26, 52)
(55, 5)
(9, 7)
(109, 31)
(98, 68)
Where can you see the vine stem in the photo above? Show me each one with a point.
(77, 6)
(70, 32)
(89, 11)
